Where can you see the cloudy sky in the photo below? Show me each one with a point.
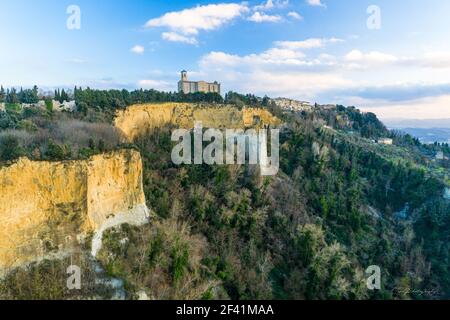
(389, 57)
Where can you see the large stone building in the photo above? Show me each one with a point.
(186, 86)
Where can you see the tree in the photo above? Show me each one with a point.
(2, 94)
(10, 148)
(57, 152)
(7, 121)
(49, 104)
(64, 96)
(11, 96)
(21, 96)
(28, 96)
(34, 95)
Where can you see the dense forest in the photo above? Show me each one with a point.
(116, 99)
(42, 134)
(339, 204)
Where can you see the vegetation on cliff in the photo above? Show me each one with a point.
(310, 232)
(339, 204)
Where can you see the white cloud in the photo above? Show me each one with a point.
(307, 44)
(358, 60)
(270, 57)
(278, 71)
(436, 60)
(137, 49)
(278, 54)
(424, 108)
(155, 84)
(292, 84)
(295, 15)
(262, 17)
(371, 57)
(289, 69)
(175, 37)
(220, 59)
(317, 3)
(331, 76)
(284, 53)
(270, 4)
(189, 22)
(265, 6)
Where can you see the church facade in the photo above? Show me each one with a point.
(186, 86)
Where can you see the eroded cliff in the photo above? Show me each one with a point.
(48, 208)
(137, 119)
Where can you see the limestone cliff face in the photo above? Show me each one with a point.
(47, 208)
(138, 118)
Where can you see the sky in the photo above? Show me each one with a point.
(384, 56)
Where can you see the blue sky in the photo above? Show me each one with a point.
(311, 50)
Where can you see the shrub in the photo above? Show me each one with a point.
(10, 148)
(82, 107)
(57, 152)
(6, 120)
(13, 107)
(49, 105)
(30, 112)
(180, 260)
(27, 125)
(81, 134)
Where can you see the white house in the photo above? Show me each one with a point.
(65, 106)
(386, 141)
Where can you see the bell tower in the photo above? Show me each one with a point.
(184, 76)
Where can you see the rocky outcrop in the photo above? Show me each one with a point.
(48, 208)
(137, 119)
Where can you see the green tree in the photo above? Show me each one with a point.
(11, 96)
(49, 104)
(7, 121)
(2, 94)
(10, 148)
(57, 152)
(64, 96)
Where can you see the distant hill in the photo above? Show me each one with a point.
(426, 130)
(417, 123)
(429, 135)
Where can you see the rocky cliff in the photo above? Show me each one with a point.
(48, 208)
(138, 118)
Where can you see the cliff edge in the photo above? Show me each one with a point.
(136, 119)
(48, 208)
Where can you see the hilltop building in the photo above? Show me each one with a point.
(292, 105)
(186, 86)
(386, 141)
